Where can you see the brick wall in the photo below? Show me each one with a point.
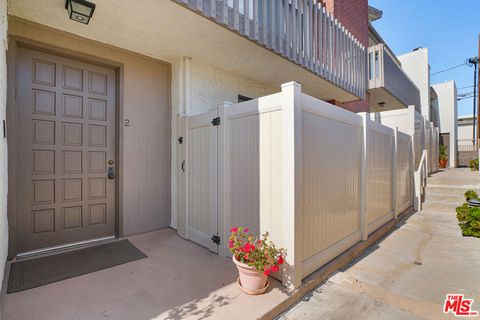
(353, 14)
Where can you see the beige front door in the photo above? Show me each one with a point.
(65, 118)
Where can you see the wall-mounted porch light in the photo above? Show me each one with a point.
(80, 10)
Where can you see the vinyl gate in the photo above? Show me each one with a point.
(199, 172)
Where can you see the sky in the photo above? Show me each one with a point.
(449, 29)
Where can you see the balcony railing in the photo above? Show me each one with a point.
(385, 75)
(299, 30)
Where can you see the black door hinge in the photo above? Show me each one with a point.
(180, 140)
(216, 121)
(216, 239)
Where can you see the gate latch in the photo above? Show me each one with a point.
(216, 239)
(216, 121)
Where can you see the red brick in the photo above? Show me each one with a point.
(353, 14)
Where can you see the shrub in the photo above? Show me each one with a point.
(470, 194)
(462, 212)
(442, 152)
(259, 253)
(474, 165)
(469, 217)
(469, 221)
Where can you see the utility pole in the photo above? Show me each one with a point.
(474, 62)
(478, 95)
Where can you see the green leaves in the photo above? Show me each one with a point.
(474, 165)
(469, 220)
(259, 253)
(470, 194)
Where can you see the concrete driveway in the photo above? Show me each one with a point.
(408, 273)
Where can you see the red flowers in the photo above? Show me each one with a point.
(247, 248)
(258, 253)
(273, 268)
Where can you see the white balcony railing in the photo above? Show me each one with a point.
(300, 30)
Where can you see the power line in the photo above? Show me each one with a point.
(466, 93)
(448, 69)
(465, 87)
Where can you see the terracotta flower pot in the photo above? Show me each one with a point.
(251, 280)
(443, 163)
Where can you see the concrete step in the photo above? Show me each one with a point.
(448, 190)
(440, 206)
(444, 197)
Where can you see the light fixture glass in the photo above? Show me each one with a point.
(80, 10)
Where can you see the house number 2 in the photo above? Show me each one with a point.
(127, 122)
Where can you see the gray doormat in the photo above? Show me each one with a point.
(37, 272)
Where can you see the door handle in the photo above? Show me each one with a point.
(183, 165)
(111, 173)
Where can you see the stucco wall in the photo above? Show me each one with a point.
(447, 108)
(415, 65)
(145, 96)
(465, 132)
(196, 88)
(3, 141)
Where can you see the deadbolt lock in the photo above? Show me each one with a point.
(110, 162)
(111, 173)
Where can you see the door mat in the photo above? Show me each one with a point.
(37, 272)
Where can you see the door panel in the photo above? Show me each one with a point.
(65, 139)
(201, 170)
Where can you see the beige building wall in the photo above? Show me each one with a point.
(144, 149)
(3, 141)
(465, 130)
(415, 64)
(448, 112)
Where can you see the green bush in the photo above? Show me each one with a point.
(442, 152)
(469, 218)
(470, 194)
(474, 165)
(462, 212)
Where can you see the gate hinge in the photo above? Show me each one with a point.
(216, 239)
(216, 121)
(180, 140)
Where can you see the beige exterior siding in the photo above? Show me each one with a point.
(144, 146)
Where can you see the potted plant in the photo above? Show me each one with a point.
(443, 159)
(255, 259)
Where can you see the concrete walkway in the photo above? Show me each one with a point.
(408, 273)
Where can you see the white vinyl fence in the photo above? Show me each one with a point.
(380, 174)
(425, 134)
(404, 172)
(318, 178)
